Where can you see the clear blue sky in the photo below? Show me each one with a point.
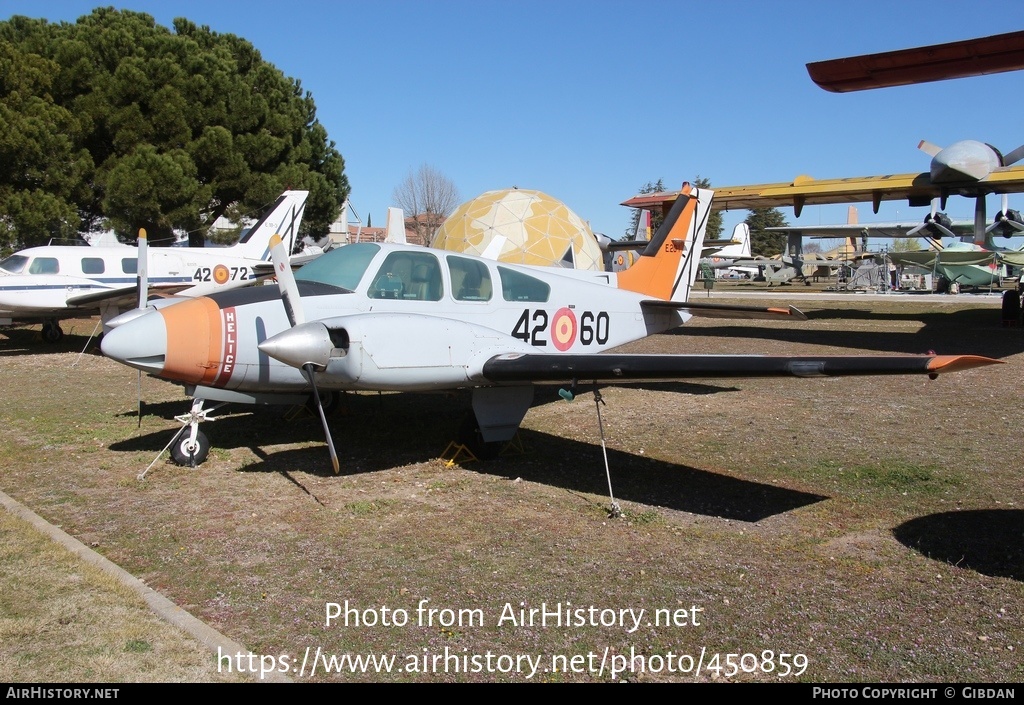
(587, 101)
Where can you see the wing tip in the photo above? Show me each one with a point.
(956, 363)
(790, 311)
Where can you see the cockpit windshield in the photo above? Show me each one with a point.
(342, 268)
(15, 264)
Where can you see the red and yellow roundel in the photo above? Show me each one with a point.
(220, 274)
(564, 329)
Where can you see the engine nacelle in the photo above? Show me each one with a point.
(391, 351)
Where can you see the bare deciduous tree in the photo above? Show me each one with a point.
(428, 197)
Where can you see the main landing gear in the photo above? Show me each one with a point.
(52, 332)
(470, 436)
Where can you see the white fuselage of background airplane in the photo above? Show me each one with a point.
(39, 281)
(63, 281)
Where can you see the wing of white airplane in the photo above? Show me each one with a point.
(709, 310)
(529, 367)
(124, 297)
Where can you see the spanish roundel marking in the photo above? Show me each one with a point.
(220, 274)
(563, 329)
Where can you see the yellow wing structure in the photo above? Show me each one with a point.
(917, 189)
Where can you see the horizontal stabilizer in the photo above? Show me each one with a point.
(520, 367)
(708, 310)
(615, 245)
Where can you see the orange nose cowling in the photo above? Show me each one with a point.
(194, 341)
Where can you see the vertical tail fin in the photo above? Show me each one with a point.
(283, 220)
(668, 266)
(742, 233)
(852, 244)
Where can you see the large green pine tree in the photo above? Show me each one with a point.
(762, 242)
(714, 226)
(114, 118)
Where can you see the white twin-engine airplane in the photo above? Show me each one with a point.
(389, 317)
(55, 282)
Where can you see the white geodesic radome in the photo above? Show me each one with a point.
(521, 227)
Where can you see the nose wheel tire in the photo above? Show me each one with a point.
(189, 454)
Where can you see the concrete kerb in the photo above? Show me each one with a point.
(163, 607)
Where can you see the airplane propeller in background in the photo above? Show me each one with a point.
(935, 224)
(296, 317)
(1014, 156)
(1007, 222)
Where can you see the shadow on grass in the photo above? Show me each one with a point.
(28, 341)
(579, 467)
(382, 433)
(987, 541)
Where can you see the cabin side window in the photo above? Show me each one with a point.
(93, 265)
(410, 276)
(44, 265)
(516, 286)
(471, 280)
(130, 265)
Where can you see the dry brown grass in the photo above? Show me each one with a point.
(873, 525)
(64, 620)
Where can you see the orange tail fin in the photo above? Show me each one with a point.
(669, 265)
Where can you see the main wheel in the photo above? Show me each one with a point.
(330, 399)
(470, 436)
(189, 454)
(52, 332)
